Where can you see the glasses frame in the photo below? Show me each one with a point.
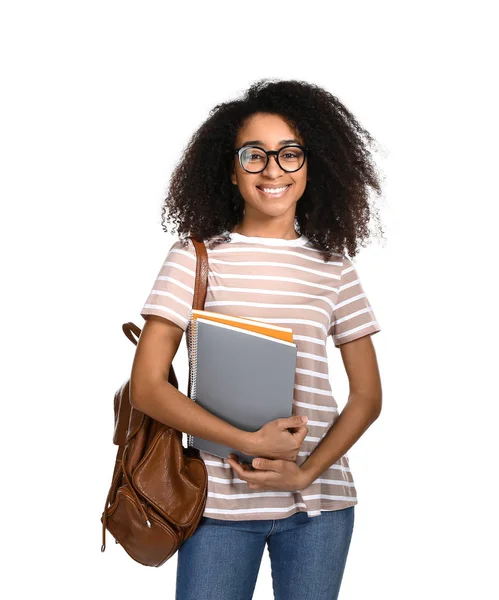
(305, 151)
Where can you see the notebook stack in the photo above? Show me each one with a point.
(242, 371)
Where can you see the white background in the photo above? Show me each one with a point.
(98, 101)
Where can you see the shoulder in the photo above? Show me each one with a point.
(347, 264)
(183, 246)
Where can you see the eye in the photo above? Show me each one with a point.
(252, 155)
(295, 155)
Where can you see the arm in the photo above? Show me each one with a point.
(362, 409)
(152, 394)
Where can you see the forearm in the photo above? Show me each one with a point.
(165, 403)
(356, 417)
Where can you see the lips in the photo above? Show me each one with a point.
(274, 187)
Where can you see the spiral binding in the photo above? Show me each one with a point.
(193, 354)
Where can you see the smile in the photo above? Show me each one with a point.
(275, 192)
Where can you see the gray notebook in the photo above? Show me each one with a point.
(244, 378)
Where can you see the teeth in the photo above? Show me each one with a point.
(274, 190)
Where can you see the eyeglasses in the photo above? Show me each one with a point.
(254, 159)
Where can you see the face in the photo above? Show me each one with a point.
(270, 132)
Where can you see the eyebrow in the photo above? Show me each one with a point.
(260, 143)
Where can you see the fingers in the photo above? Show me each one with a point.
(301, 432)
(244, 471)
(243, 465)
(293, 421)
(265, 464)
(249, 473)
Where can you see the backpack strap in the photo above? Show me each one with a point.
(200, 288)
(201, 283)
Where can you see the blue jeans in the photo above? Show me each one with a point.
(221, 560)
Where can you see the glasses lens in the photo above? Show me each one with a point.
(253, 159)
(291, 158)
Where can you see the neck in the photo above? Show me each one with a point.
(270, 232)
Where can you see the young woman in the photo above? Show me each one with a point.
(276, 183)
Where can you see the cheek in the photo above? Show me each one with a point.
(301, 182)
(246, 188)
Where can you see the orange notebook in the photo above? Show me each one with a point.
(275, 331)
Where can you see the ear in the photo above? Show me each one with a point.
(233, 175)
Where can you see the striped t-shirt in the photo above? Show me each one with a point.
(285, 282)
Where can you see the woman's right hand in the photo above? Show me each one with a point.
(273, 440)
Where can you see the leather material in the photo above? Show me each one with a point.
(159, 487)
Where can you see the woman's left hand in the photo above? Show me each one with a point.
(270, 474)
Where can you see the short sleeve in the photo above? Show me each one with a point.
(353, 316)
(172, 294)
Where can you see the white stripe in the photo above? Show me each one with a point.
(273, 278)
(318, 423)
(240, 511)
(191, 254)
(313, 373)
(252, 495)
(167, 310)
(332, 253)
(299, 321)
(349, 285)
(311, 356)
(340, 468)
(350, 300)
(352, 315)
(266, 305)
(170, 295)
(302, 255)
(335, 466)
(354, 330)
(316, 406)
(281, 265)
(214, 463)
(226, 481)
(312, 340)
(312, 390)
(176, 282)
(244, 290)
(348, 269)
(309, 438)
(334, 482)
(328, 497)
(169, 263)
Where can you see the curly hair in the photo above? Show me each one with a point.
(334, 211)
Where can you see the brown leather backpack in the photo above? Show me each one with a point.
(159, 487)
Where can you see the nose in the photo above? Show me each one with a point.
(272, 169)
